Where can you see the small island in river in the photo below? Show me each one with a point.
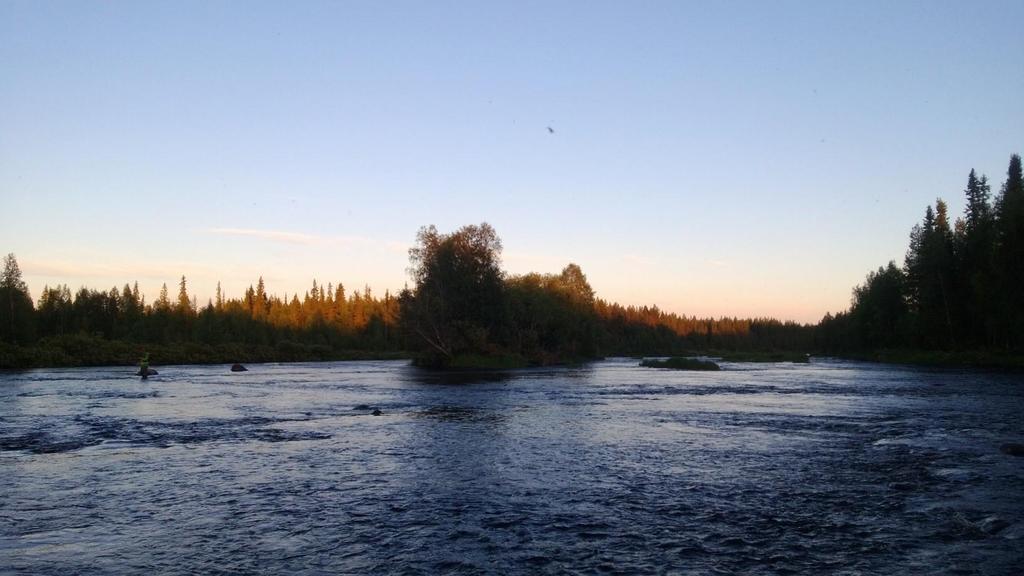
(681, 363)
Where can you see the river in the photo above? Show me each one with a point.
(826, 468)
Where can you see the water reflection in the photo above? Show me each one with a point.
(471, 377)
(611, 468)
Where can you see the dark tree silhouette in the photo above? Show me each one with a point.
(459, 302)
(963, 286)
(17, 321)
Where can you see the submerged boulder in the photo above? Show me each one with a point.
(987, 526)
(238, 368)
(992, 524)
(1013, 449)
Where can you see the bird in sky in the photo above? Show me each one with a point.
(551, 130)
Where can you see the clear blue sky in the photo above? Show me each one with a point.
(751, 158)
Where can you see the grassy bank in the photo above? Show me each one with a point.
(78, 350)
(941, 359)
(83, 350)
(796, 357)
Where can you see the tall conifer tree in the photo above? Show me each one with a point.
(184, 302)
(1010, 255)
(163, 302)
(17, 318)
(974, 251)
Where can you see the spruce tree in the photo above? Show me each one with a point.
(928, 271)
(879, 308)
(17, 315)
(184, 302)
(978, 210)
(250, 301)
(944, 271)
(1010, 256)
(163, 302)
(974, 251)
(261, 304)
(11, 277)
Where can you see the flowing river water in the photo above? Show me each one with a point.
(826, 468)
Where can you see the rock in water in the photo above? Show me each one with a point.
(238, 368)
(1013, 449)
(992, 524)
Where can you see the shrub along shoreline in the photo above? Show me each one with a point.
(83, 351)
(957, 301)
(88, 351)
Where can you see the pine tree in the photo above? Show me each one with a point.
(127, 301)
(341, 314)
(943, 268)
(163, 302)
(978, 210)
(974, 253)
(262, 304)
(879, 308)
(912, 266)
(250, 301)
(12, 275)
(928, 271)
(184, 302)
(53, 313)
(17, 318)
(1009, 223)
(919, 287)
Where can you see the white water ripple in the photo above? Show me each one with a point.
(832, 467)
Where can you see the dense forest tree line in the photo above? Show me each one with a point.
(961, 285)
(324, 315)
(960, 288)
(63, 325)
(462, 305)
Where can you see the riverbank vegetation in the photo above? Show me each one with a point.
(758, 356)
(958, 298)
(94, 327)
(463, 312)
(466, 311)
